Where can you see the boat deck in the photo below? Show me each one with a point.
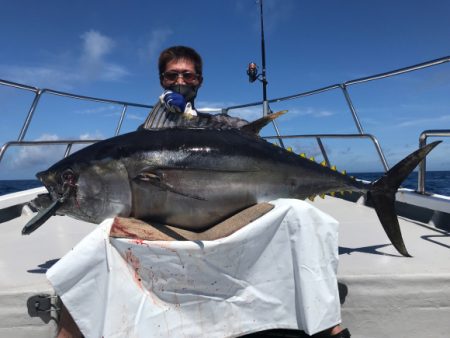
(25, 260)
(379, 288)
(383, 288)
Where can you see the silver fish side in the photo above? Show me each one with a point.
(195, 178)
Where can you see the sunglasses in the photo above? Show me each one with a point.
(172, 76)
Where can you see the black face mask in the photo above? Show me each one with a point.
(189, 92)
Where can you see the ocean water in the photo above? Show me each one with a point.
(9, 186)
(437, 182)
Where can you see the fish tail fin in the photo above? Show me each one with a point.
(382, 195)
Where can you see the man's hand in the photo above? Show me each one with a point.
(174, 102)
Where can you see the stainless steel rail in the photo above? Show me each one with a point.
(343, 87)
(39, 92)
(68, 143)
(423, 166)
(347, 83)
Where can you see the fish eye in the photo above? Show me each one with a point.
(68, 175)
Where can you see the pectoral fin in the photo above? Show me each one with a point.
(157, 179)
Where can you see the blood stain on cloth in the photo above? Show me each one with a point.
(135, 264)
(139, 241)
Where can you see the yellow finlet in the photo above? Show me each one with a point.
(312, 159)
(322, 196)
(311, 198)
(344, 172)
(323, 164)
(333, 193)
(289, 149)
(303, 155)
(333, 168)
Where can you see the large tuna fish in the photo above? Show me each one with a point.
(193, 178)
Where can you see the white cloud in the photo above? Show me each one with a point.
(63, 73)
(88, 136)
(309, 111)
(128, 116)
(253, 113)
(135, 117)
(96, 45)
(41, 76)
(110, 111)
(48, 137)
(248, 113)
(42, 156)
(93, 63)
(439, 120)
(98, 110)
(154, 44)
(35, 155)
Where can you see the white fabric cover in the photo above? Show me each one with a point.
(277, 272)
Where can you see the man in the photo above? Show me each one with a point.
(180, 74)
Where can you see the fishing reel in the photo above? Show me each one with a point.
(252, 72)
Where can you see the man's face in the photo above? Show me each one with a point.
(181, 72)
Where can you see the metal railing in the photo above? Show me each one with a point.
(423, 165)
(67, 143)
(39, 92)
(319, 138)
(343, 87)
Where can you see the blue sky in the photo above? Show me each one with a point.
(109, 49)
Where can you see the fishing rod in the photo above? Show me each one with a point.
(252, 72)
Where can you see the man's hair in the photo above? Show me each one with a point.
(179, 53)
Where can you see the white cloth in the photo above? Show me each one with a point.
(277, 272)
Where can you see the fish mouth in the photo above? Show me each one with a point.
(58, 184)
(50, 182)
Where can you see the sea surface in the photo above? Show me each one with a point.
(9, 186)
(437, 182)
